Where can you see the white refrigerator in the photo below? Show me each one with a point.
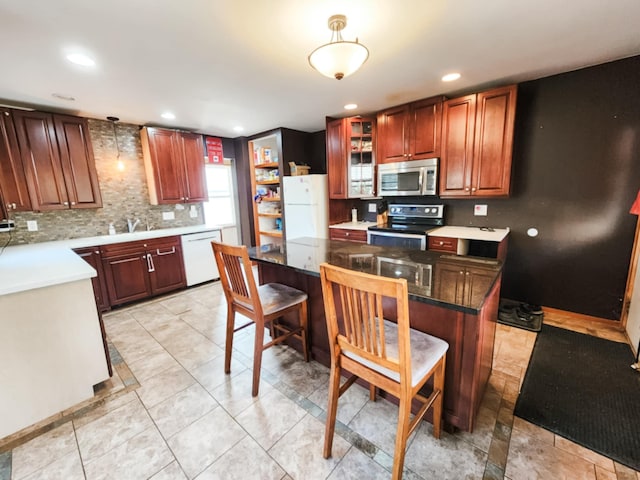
(306, 206)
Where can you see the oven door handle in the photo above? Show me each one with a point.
(394, 234)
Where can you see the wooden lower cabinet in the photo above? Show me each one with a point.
(137, 270)
(348, 234)
(460, 285)
(92, 256)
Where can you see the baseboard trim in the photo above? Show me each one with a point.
(563, 316)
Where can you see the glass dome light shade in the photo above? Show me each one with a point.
(338, 59)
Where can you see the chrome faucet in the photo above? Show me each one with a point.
(131, 225)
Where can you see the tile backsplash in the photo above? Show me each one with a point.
(124, 195)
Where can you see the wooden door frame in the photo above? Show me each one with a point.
(631, 279)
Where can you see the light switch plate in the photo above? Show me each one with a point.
(193, 211)
(480, 210)
(32, 225)
(168, 216)
(373, 208)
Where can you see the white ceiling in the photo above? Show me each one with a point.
(221, 63)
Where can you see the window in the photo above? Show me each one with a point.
(221, 208)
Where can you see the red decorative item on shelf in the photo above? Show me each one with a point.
(635, 208)
(214, 150)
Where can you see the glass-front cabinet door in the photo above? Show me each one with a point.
(361, 162)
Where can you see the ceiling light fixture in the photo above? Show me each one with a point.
(338, 58)
(168, 116)
(350, 106)
(81, 59)
(238, 129)
(450, 77)
(119, 164)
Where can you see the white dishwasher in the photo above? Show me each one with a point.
(199, 263)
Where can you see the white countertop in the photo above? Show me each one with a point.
(37, 265)
(471, 233)
(354, 225)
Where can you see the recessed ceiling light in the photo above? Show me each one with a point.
(450, 77)
(81, 59)
(69, 98)
(238, 128)
(168, 116)
(350, 106)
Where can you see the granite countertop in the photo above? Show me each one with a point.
(432, 277)
(37, 265)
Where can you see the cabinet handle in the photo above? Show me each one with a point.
(150, 265)
(187, 198)
(159, 253)
(73, 203)
(466, 189)
(473, 189)
(66, 204)
(346, 234)
(6, 114)
(97, 252)
(441, 243)
(467, 273)
(13, 205)
(461, 272)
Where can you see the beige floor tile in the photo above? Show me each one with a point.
(108, 405)
(533, 458)
(245, 461)
(534, 431)
(211, 374)
(449, 457)
(204, 441)
(270, 417)
(234, 395)
(140, 457)
(189, 347)
(43, 450)
(164, 385)
(68, 467)
(170, 472)
(377, 422)
(603, 474)
(482, 430)
(355, 465)
(303, 377)
(153, 364)
(112, 429)
(182, 409)
(580, 451)
(349, 404)
(299, 452)
(625, 473)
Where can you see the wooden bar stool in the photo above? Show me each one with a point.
(263, 305)
(390, 356)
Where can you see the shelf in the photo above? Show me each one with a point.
(270, 215)
(272, 233)
(268, 182)
(266, 165)
(270, 199)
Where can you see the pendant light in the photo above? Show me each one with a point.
(338, 58)
(119, 164)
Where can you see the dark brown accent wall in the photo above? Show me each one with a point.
(576, 171)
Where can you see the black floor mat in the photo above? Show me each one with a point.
(582, 388)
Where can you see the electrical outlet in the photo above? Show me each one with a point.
(168, 216)
(193, 211)
(373, 208)
(480, 210)
(32, 225)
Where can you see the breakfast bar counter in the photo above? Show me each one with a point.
(451, 297)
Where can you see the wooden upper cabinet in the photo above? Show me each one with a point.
(174, 162)
(336, 159)
(350, 157)
(78, 164)
(13, 183)
(493, 145)
(410, 132)
(192, 151)
(60, 170)
(477, 141)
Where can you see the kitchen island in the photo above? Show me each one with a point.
(451, 297)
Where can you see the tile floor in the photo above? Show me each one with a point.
(186, 419)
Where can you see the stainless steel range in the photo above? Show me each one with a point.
(407, 226)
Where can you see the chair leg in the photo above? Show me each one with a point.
(305, 331)
(258, 348)
(332, 409)
(402, 432)
(373, 391)
(438, 384)
(231, 314)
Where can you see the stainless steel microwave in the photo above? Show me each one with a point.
(417, 177)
